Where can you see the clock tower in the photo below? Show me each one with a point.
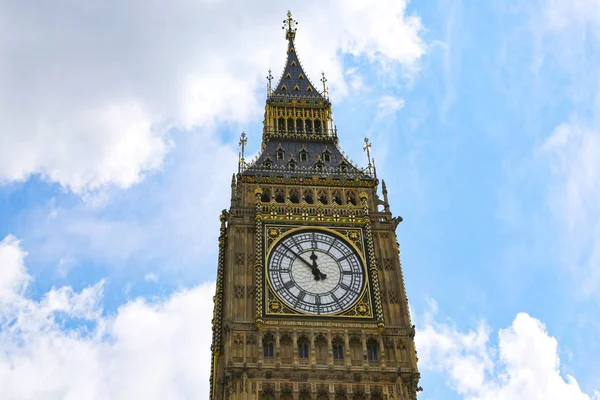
(310, 300)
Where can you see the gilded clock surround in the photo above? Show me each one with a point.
(301, 180)
(361, 308)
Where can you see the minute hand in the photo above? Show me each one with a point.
(298, 255)
(315, 270)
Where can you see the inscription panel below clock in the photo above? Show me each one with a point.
(316, 272)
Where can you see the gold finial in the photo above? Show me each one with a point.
(269, 89)
(289, 25)
(242, 143)
(324, 82)
(367, 148)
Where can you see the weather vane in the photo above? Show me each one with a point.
(367, 148)
(243, 142)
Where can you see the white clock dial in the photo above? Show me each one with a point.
(316, 272)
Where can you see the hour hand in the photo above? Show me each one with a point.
(315, 269)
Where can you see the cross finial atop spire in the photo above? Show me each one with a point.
(324, 81)
(242, 160)
(289, 25)
(367, 148)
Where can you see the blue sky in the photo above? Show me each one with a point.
(120, 123)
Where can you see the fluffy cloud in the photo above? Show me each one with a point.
(524, 365)
(572, 154)
(62, 347)
(91, 90)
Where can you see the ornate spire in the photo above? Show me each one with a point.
(294, 82)
(289, 25)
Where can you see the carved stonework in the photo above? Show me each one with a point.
(264, 345)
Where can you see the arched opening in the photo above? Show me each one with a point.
(338, 351)
(299, 126)
(356, 351)
(294, 196)
(268, 347)
(337, 198)
(309, 126)
(317, 126)
(266, 196)
(373, 352)
(308, 196)
(323, 198)
(279, 196)
(286, 349)
(303, 347)
(290, 125)
(351, 198)
(321, 349)
(281, 125)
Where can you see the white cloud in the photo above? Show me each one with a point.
(90, 90)
(389, 104)
(524, 364)
(151, 277)
(145, 351)
(572, 154)
(13, 275)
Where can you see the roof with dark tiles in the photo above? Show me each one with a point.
(294, 80)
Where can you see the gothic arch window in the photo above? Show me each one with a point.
(337, 197)
(327, 156)
(323, 396)
(268, 345)
(267, 396)
(303, 348)
(321, 349)
(351, 199)
(343, 167)
(281, 125)
(294, 196)
(290, 125)
(376, 395)
(356, 351)
(317, 126)
(287, 351)
(279, 196)
(268, 163)
(299, 126)
(308, 196)
(304, 396)
(303, 155)
(309, 126)
(372, 351)
(338, 351)
(266, 196)
(280, 153)
(323, 197)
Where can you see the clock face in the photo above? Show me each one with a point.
(316, 272)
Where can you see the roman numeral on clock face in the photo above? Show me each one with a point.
(288, 284)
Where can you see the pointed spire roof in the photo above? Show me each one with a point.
(294, 81)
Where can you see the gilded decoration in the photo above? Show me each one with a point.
(362, 308)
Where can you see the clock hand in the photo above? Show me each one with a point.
(297, 255)
(316, 272)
